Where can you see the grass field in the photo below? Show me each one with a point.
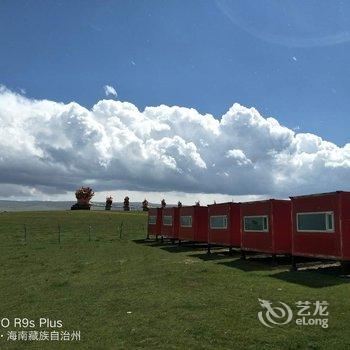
(124, 293)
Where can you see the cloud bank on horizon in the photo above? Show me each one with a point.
(50, 148)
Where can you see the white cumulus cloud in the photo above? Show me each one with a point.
(110, 91)
(51, 148)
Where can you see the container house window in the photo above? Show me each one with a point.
(256, 223)
(167, 220)
(218, 222)
(315, 222)
(186, 221)
(152, 219)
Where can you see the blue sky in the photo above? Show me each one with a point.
(189, 53)
(289, 60)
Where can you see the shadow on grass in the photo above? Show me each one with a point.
(255, 262)
(315, 277)
(142, 241)
(175, 248)
(210, 257)
(249, 264)
(171, 247)
(152, 243)
(217, 255)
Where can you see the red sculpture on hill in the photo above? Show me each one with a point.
(145, 206)
(83, 196)
(109, 202)
(126, 205)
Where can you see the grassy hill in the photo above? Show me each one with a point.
(100, 277)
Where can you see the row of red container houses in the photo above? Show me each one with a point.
(316, 226)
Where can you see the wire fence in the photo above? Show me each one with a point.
(114, 207)
(70, 232)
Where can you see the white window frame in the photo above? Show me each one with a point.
(170, 216)
(186, 216)
(256, 216)
(218, 216)
(155, 220)
(317, 212)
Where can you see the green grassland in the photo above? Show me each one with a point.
(124, 293)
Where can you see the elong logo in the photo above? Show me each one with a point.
(282, 314)
(277, 315)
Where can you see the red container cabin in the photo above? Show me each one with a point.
(170, 223)
(266, 226)
(224, 224)
(193, 223)
(321, 226)
(154, 222)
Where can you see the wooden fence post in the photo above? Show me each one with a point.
(121, 230)
(25, 233)
(59, 233)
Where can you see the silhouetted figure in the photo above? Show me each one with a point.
(126, 205)
(109, 202)
(145, 206)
